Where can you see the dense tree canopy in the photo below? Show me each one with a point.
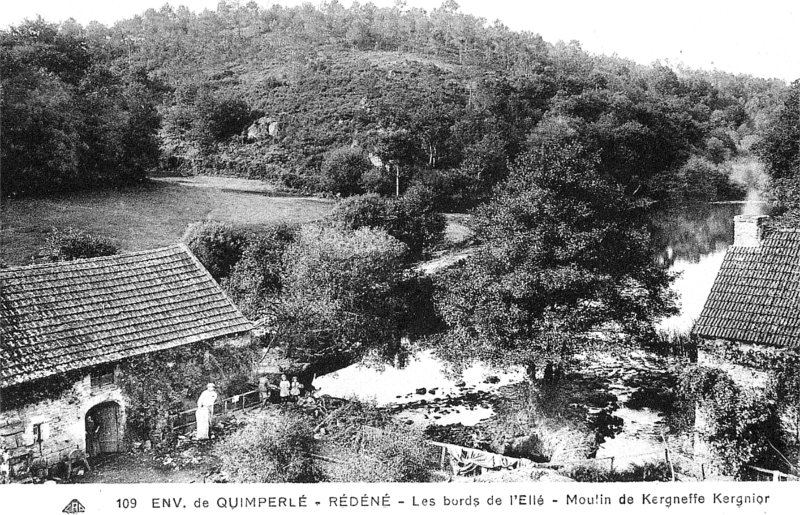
(441, 97)
(565, 254)
(70, 118)
(411, 218)
(341, 293)
(780, 150)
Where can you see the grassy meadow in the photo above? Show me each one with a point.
(152, 215)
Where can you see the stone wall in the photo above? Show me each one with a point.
(62, 422)
(748, 365)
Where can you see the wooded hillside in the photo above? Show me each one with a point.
(440, 97)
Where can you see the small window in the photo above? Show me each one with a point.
(102, 376)
(37, 433)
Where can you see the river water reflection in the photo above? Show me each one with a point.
(692, 240)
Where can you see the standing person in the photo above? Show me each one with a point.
(93, 436)
(264, 393)
(295, 388)
(285, 387)
(205, 411)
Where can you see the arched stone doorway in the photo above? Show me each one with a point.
(103, 429)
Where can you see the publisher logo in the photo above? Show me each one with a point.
(74, 506)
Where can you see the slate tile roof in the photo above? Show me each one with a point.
(58, 317)
(756, 295)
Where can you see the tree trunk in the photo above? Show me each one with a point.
(552, 374)
(531, 371)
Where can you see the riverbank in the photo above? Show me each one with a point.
(607, 407)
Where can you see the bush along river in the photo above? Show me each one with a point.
(631, 384)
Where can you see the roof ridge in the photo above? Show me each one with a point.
(98, 259)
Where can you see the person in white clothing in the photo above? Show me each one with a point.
(205, 411)
(285, 386)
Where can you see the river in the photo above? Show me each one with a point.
(691, 240)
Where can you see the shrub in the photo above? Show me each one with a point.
(74, 244)
(738, 424)
(217, 117)
(597, 473)
(416, 221)
(218, 246)
(377, 458)
(341, 291)
(161, 383)
(301, 182)
(785, 388)
(258, 274)
(411, 218)
(369, 447)
(343, 169)
(543, 424)
(276, 448)
(379, 180)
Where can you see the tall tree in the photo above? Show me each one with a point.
(341, 293)
(780, 150)
(565, 254)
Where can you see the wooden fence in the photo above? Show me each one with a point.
(772, 475)
(185, 422)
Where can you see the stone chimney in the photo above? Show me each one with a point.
(748, 230)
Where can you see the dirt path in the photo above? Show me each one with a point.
(146, 467)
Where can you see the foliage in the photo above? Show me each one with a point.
(784, 388)
(763, 358)
(369, 447)
(565, 252)
(779, 148)
(780, 151)
(700, 180)
(33, 392)
(343, 170)
(161, 383)
(257, 277)
(738, 424)
(439, 96)
(412, 218)
(69, 244)
(276, 448)
(398, 457)
(596, 473)
(70, 120)
(218, 246)
(200, 118)
(679, 344)
(545, 423)
(341, 292)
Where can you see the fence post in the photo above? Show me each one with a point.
(611, 465)
(666, 456)
(669, 462)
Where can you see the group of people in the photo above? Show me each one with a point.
(287, 391)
